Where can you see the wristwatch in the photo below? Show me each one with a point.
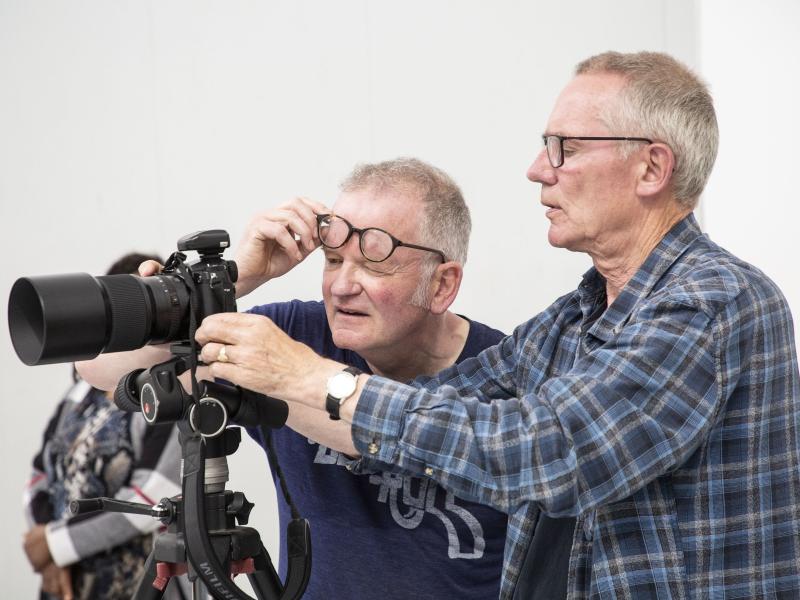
(340, 387)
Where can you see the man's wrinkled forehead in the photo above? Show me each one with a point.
(385, 207)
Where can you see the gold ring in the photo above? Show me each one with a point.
(222, 355)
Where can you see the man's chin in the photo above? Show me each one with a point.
(347, 339)
(558, 238)
(554, 239)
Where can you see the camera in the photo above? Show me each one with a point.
(64, 318)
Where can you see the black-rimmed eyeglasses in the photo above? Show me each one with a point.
(376, 245)
(555, 145)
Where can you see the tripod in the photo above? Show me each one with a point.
(202, 537)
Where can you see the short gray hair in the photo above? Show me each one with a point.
(446, 223)
(665, 101)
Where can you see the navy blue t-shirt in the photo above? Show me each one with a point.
(383, 535)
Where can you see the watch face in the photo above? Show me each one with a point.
(341, 385)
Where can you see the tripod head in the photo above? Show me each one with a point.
(202, 527)
(159, 395)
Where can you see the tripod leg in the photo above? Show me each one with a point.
(264, 580)
(199, 591)
(145, 590)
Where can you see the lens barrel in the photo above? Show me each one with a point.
(64, 318)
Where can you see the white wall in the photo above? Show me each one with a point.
(124, 125)
(750, 54)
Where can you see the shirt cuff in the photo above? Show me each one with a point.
(60, 544)
(378, 421)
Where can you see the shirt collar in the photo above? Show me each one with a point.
(663, 256)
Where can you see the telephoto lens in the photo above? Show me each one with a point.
(64, 318)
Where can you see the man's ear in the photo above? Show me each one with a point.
(445, 283)
(658, 166)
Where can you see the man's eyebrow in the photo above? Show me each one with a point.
(556, 133)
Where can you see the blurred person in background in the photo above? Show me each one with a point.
(92, 449)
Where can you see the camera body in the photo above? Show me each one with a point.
(213, 276)
(64, 318)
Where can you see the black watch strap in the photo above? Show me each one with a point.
(332, 403)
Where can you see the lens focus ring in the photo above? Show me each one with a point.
(129, 310)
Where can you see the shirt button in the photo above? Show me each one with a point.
(372, 448)
(588, 526)
(428, 471)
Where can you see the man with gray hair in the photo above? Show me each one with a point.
(658, 403)
(395, 243)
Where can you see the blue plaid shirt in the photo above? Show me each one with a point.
(669, 424)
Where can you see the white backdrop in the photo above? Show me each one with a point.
(124, 125)
(750, 52)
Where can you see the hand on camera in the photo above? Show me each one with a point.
(276, 241)
(259, 356)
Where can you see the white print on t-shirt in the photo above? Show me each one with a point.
(408, 509)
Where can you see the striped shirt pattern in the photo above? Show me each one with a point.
(667, 423)
(92, 449)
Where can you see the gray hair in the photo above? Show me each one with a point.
(445, 223)
(665, 101)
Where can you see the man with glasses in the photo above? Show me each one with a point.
(395, 242)
(659, 403)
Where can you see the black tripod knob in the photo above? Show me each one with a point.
(126, 396)
(240, 507)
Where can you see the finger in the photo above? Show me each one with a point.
(242, 376)
(302, 228)
(65, 581)
(316, 208)
(230, 328)
(301, 221)
(236, 374)
(294, 216)
(278, 232)
(50, 586)
(212, 351)
(309, 209)
(50, 582)
(305, 230)
(150, 267)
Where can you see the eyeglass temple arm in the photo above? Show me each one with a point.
(434, 250)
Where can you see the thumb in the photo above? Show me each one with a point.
(150, 267)
(65, 582)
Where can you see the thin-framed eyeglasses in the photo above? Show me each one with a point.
(376, 245)
(555, 145)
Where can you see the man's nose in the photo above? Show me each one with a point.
(540, 170)
(346, 280)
